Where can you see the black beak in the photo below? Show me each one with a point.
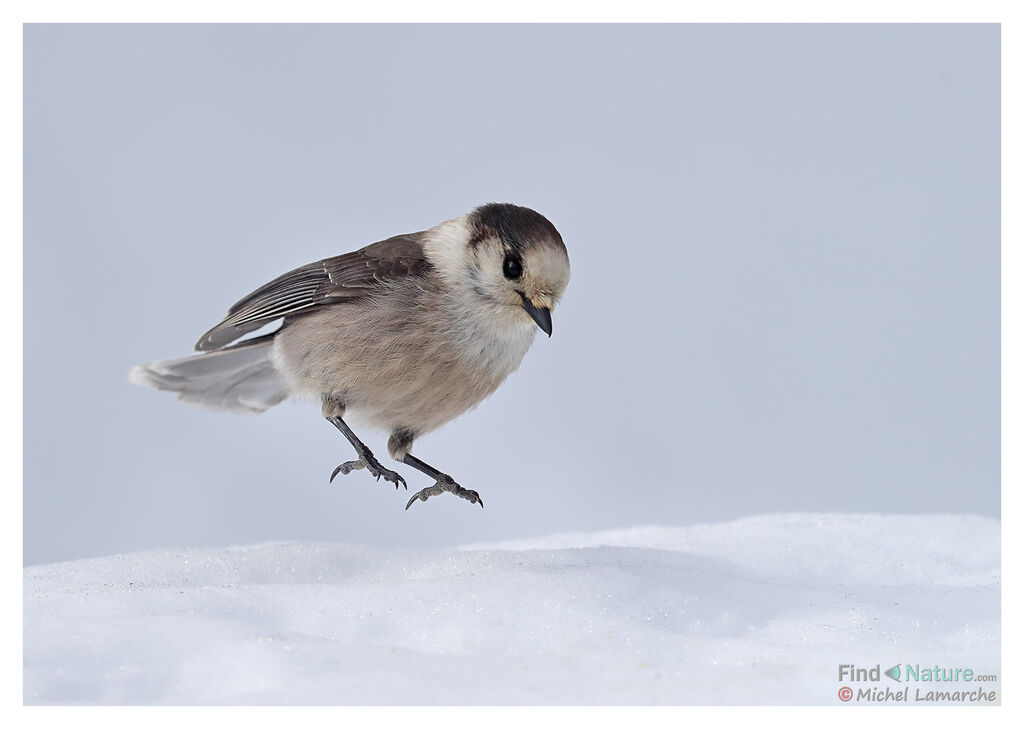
(541, 314)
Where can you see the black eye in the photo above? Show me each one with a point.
(513, 267)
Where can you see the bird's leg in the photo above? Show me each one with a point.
(399, 446)
(366, 459)
(444, 482)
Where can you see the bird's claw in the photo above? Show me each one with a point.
(444, 484)
(346, 468)
(371, 464)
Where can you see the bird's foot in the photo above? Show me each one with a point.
(446, 483)
(371, 464)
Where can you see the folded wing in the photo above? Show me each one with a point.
(331, 281)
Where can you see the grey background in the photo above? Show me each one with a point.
(785, 249)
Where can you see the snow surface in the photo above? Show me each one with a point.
(758, 610)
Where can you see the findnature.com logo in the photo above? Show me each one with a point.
(905, 673)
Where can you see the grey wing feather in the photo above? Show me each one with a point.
(333, 280)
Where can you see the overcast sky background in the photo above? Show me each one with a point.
(785, 251)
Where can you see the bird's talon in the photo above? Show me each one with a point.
(443, 484)
(371, 464)
(346, 468)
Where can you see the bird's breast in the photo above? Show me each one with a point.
(415, 368)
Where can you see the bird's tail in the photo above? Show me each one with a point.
(240, 379)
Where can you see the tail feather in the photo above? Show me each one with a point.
(240, 379)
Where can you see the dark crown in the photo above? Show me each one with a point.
(518, 228)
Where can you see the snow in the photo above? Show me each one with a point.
(758, 610)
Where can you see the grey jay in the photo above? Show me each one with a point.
(403, 335)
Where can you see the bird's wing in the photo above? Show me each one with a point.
(334, 280)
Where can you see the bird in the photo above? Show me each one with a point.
(402, 335)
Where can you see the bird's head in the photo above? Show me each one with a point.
(517, 262)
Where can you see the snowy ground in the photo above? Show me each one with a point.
(759, 610)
